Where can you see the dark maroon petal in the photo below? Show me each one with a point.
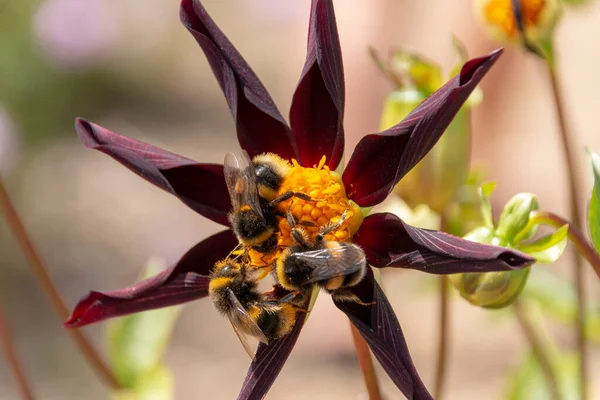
(317, 111)
(200, 186)
(268, 362)
(260, 126)
(390, 242)
(379, 327)
(381, 159)
(185, 281)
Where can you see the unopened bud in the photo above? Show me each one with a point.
(491, 289)
(515, 216)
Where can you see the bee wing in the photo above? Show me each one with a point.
(333, 262)
(243, 325)
(240, 178)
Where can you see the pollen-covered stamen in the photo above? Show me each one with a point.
(328, 202)
(500, 13)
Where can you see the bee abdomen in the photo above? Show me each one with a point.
(276, 322)
(250, 227)
(244, 291)
(292, 272)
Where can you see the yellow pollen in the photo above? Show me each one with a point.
(328, 202)
(500, 13)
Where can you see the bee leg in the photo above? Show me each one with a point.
(263, 274)
(330, 227)
(289, 297)
(345, 295)
(297, 233)
(238, 251)
(289, 195)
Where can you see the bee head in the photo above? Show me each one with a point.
(229, 269)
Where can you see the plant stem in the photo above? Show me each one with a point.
(13, 361)
(567, 145)
(538, 349)
(366, 364)
(45, 281)
(442, 358)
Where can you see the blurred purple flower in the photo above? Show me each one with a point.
(75, 33)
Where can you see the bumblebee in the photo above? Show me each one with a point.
(253, 188)
(233, 289)
(333, 266)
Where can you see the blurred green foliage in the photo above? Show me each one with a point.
(43, 99)
(594, 206)
(136, 346)
(528, 383)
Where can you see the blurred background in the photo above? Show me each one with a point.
(131, 67)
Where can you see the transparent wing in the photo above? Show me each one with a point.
(240, 178)
(251, 195)
(333, 262)
(234, 179)
(243, 325)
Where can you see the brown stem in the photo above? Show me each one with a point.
(567, 146)
(45, 281)
(366, 364)
(442, 358)
(538, 349)
(13, 361)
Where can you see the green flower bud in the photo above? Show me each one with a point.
(491, 289)
(398, 105)
(515, 227)
(437, 178)
(515, 217)
(407, 70)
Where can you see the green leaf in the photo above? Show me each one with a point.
(136, 343)
(594, 207)
(549, 248)
(485, 191)
(156, 384)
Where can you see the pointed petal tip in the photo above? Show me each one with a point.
(484, 63)
(260, 126)
(515, 258)
(77, 318)
(87, 132)
(390, 242)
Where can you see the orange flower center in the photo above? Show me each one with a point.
(328, 203)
